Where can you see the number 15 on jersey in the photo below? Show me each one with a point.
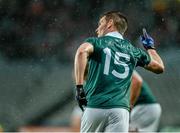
(117, 61)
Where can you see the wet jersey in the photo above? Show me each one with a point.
(110, 68)
(146, 96)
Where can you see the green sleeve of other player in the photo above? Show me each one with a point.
(146, 96)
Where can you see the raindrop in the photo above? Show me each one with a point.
(55, 19)
(163, 19)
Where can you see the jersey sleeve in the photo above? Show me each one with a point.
(94, 42)
(142, 57)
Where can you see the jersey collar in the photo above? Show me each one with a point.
(115, 34)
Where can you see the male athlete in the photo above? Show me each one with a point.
(146, 113)
(111, 60)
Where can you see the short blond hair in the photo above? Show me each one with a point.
(120, 21)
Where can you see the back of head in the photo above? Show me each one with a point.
(120, 21)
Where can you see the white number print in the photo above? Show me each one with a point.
(117, 61)
(107, 51)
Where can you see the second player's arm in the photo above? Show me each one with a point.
(156, 65)
(81, 59)
(136, 84)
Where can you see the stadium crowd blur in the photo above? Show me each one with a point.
(41, 29)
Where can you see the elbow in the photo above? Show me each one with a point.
(160, 69)
(156, 67)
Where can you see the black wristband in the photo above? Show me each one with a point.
(79, 86)
(150, 47)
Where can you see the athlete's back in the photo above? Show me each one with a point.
(111, 62)
(110, 70)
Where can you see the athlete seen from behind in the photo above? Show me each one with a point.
(111, 60)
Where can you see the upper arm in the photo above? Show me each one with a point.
(136, 84)
(86, 48)
(81, 60)
(136, 78)
(136, 81)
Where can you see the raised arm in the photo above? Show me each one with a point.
(156, 65)
(136, 84)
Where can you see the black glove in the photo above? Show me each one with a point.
(147, 40)
(80, 96)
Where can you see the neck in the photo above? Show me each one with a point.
(110, 30)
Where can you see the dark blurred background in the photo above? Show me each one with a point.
(38, 41)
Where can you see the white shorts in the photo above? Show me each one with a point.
(145, 117)
(105, 120)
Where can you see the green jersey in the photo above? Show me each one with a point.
(110, 68)
(146, 96)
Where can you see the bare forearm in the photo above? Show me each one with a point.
(156, 65)
(80, 66)
(136, 92)
(153, 54)
(136, 84)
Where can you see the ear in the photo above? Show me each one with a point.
(110, 23)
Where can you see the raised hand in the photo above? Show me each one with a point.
(146, 40)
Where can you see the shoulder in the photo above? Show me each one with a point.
(95, 41)
(91, 40)
(128, 42)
